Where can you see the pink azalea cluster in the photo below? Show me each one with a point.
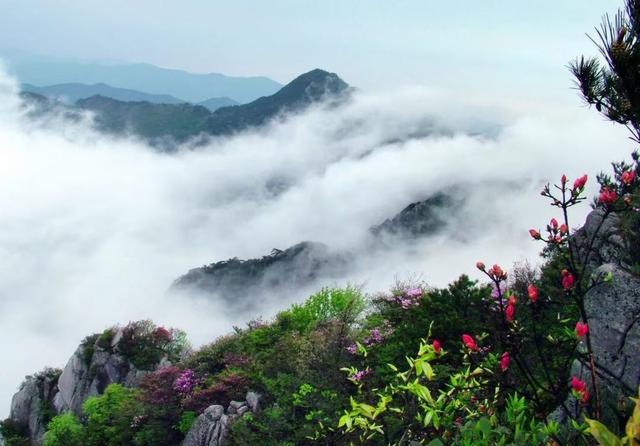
(409, 298)
(185, 382)
(360, 374)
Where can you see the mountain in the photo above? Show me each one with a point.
(70, 93)
(215, 103)
(164, 124)
(143, 77)
(314, 86)
(304, 263)
(234, 279)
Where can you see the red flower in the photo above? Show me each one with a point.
(579, 183)
(563, 229)
(581, 329)
(480, 266)
(563, 179)
(578, 385)
(469, 342)
(567, 280)
(512, 300)
(533, 293)
(535, 234)
(585, 396)
(436, 346)
(607, 196)
(628, 177)
(510, 312)
(554, 223)
(505, 359)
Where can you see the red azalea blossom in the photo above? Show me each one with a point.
(510, 313)
(436, 346)
(512, 300)
(581, 329)
(535, 234)
(533, 293)
(579, 183)
(628, 177)
(554, 223)
(563, 179)
(563, 229)
(480, 266)
(585, 396)
(505, 359)
(578, 385)
(469, 342)
(607, 196)
(567, 280)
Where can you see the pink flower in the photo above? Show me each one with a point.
(497, 273)
(567, 280)
(480, 266)
(581, 329)
(579, 183)
(469, 342)
(360, 374)
(563, 229)
(436, 346)
(353, 348)
(628, 177)
(563, 179)
(554, 224)
(533, 293)
(505, 359)
(607, 196)
(535, 234)
(414, 292)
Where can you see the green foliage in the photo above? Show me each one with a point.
(64, 430)
(328, 304)
(605, 437)
(108, 417)
(186, 421)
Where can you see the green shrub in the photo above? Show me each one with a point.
(64, 430)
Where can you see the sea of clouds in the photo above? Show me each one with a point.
(93, 229)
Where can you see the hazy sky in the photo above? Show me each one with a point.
(518, 47)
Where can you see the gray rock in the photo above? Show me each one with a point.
(209, 429)
(613, 309)
(81, 379)
(31, 405)
(212, 427)
(253, 400)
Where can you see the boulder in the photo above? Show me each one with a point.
(212, 426)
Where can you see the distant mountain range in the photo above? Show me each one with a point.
(142, 77)
(165, 124)
(72, 92)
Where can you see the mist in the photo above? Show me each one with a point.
(94, 230)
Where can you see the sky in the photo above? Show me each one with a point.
(516, 47)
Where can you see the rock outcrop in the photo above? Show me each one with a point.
(82, 378)
(31, 406)
(212, 427)
(613, 311)
(94, 365)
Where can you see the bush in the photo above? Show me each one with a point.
(64, 430)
